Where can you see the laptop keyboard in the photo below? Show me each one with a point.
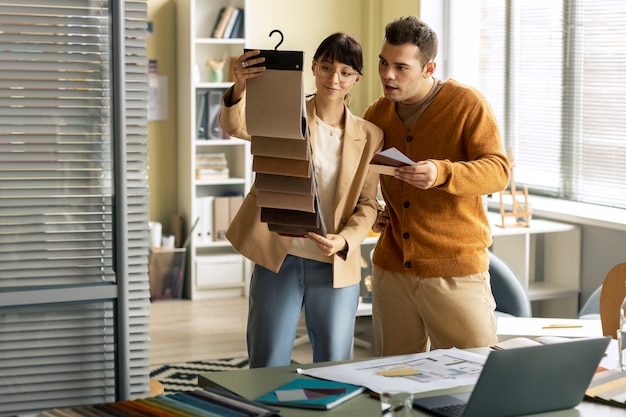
(455, 410)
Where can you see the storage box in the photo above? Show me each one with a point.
(219, 270)
(166, 271)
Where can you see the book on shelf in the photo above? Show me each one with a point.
(212, 166)
(222, 20)
(231, 22)
(238, 27)
(311, 393)
(204, 174)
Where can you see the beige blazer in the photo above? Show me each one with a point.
(355, 202)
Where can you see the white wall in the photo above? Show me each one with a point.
(306, 23)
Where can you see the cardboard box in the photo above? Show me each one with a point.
(219, 270)
(166, 272)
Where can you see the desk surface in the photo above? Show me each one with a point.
(252, 383)
(509, 327)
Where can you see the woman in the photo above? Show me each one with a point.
(318, 273)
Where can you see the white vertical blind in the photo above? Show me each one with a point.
(57, 285)
(555, 73)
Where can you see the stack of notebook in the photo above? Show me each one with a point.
(280, 145)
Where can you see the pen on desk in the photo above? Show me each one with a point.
(562, 326)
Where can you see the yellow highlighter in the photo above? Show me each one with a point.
(562, 326)
(399, 372)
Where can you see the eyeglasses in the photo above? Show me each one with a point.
(325, 70)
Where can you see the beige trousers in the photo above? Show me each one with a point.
(409, 312)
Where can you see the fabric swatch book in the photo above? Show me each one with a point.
(311, 393)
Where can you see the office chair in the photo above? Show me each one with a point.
(510, 295)
(591, 309)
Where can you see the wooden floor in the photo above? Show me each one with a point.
(184, 330)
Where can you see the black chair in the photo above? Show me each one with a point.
(510, 295)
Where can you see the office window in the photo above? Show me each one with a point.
(555, 73)
(63, 341)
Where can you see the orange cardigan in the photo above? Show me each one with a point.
(442, 231)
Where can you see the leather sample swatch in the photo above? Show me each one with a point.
(289, 217)
(276, 199)
(275, 101)
(281, 166)
(284, 183)
(276, 122)
(280, 148)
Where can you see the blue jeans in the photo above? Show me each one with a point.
(276, 301)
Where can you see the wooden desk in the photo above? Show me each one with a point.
(252, 383)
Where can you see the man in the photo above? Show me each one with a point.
(430, 273)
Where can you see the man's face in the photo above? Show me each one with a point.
(403, 76)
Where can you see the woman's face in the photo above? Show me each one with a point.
(334, 80)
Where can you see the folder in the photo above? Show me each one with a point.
(234, 203)
(221, 218)
(203, 233)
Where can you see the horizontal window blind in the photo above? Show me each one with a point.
(555, 72)
(57, 284)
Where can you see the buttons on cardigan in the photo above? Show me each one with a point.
(406, 204)
(405, 235)
(409, 138)
(407, 264)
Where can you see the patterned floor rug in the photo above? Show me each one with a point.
(184, 376)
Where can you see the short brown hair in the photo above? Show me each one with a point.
(413, 30)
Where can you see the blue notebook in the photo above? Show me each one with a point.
(311, 393)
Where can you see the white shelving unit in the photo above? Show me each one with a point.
(214, 268)
(546, 258)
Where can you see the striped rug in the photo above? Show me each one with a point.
(184, 376)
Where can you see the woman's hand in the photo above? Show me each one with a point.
(242, 67)
(329, 245)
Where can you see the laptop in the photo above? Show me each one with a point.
(525, 380)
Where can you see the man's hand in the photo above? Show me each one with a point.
(421, 175)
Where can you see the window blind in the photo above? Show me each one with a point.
(555, 73)
(58, 288)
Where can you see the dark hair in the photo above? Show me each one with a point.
(340, 47)
(413, 30)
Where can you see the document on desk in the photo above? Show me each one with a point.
(419, 372)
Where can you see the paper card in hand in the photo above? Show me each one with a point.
(387, 161)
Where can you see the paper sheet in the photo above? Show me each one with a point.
(420, 372)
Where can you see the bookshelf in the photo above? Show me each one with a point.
(208, 189)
